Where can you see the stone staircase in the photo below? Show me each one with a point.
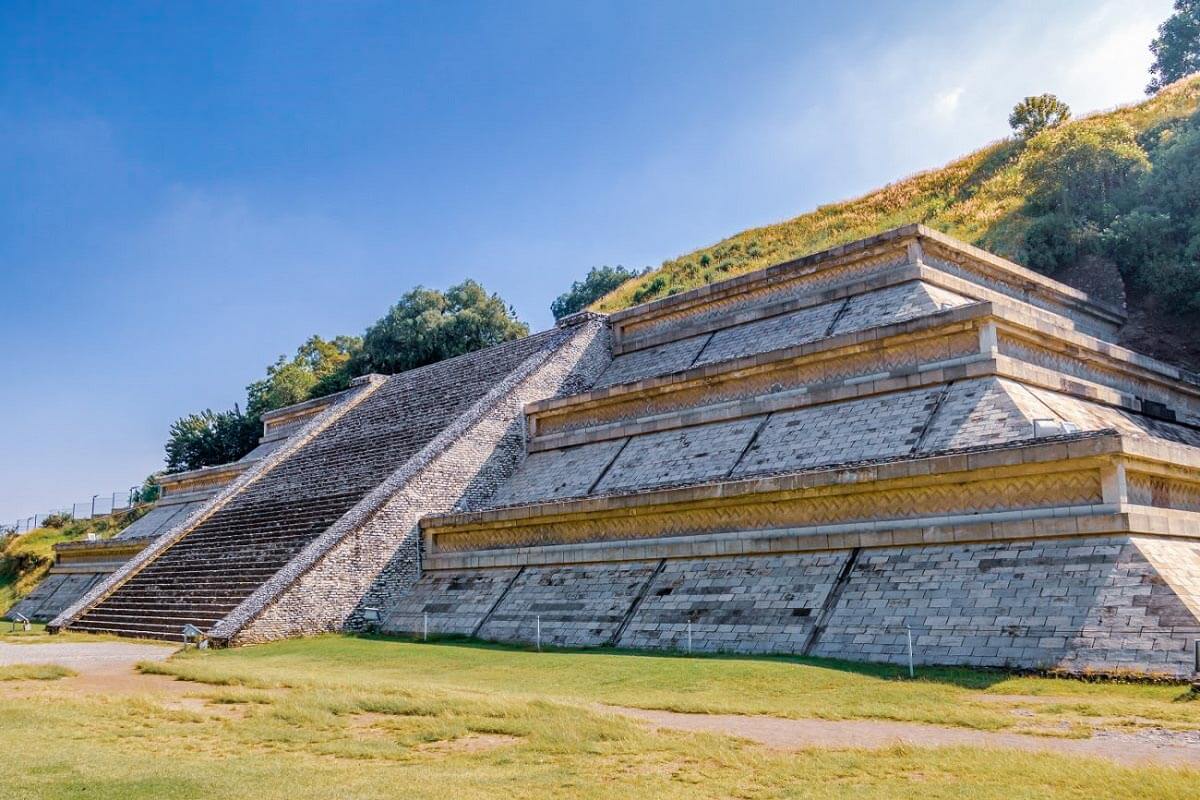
(406, 445)
(213, 569)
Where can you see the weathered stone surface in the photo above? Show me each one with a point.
(1095, 602)
(894, 304)
(575, 606)
(858, 430)
(556, 474)
(449, 602)
(759, 604)
(686, 455)
(1101, 602)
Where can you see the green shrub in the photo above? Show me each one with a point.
(653, 287)
(1056, 241)
(1084, 171)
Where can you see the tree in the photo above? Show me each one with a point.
(599, 282)
(295, 380)
(1033, 115)
(427, 326)
(210, 438)
(1176, 49)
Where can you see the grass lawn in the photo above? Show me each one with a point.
(358, 718)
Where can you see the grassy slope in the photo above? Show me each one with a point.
(25, 559)
(349, 718)
(978, 198)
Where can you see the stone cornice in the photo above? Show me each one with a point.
(173, 483)
(993, 337)
(1079, 446)
(906, 243)
(274, 422)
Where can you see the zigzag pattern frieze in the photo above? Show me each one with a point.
(784, 510)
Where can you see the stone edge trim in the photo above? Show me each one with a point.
(1020, 278)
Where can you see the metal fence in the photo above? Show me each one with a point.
(99, 505)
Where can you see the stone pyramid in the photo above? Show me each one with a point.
(903, 436)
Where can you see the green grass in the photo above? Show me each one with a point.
(360, 718)
(784, 687)
(980, 198)
(34, 672)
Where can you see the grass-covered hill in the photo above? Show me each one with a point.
(1109, 202)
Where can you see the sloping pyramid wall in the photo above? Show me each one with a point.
(904, 436)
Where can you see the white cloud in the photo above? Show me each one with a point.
(945, 104)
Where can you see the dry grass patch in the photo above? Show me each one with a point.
(34, 672)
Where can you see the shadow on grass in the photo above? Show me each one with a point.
(962, 677)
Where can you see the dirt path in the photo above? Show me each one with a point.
(1156, 746)
(102, 667)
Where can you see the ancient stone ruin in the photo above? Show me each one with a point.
(903, 437)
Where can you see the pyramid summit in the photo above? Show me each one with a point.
(905, 435)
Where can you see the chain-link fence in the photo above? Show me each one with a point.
(99, 505)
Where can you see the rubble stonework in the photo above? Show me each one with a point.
(900, 437)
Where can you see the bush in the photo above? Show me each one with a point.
(1053, 243)
(1137, 239)
(210, 438)
(57, 520)
(652, 288)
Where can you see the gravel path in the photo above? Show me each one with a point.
(105, 667)
(1156, 746)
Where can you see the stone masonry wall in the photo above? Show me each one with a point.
(1102, 602)
(1094, 602)
(372, 555)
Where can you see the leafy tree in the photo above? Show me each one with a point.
(149, 491)
(1157, 244)
(293, 381)
(424, 327)
(209, 438)
(427, 326)
(1033, 115)
(599, 282)
(1084, 171)
(1176, 49)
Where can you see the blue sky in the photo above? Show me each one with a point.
(191, 189)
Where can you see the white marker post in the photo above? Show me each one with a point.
(908, 630)
(539, 633)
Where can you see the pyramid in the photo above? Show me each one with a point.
(904, 436)
(901, 439)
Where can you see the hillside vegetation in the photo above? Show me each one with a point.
(1108, 202)
(26, 558)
